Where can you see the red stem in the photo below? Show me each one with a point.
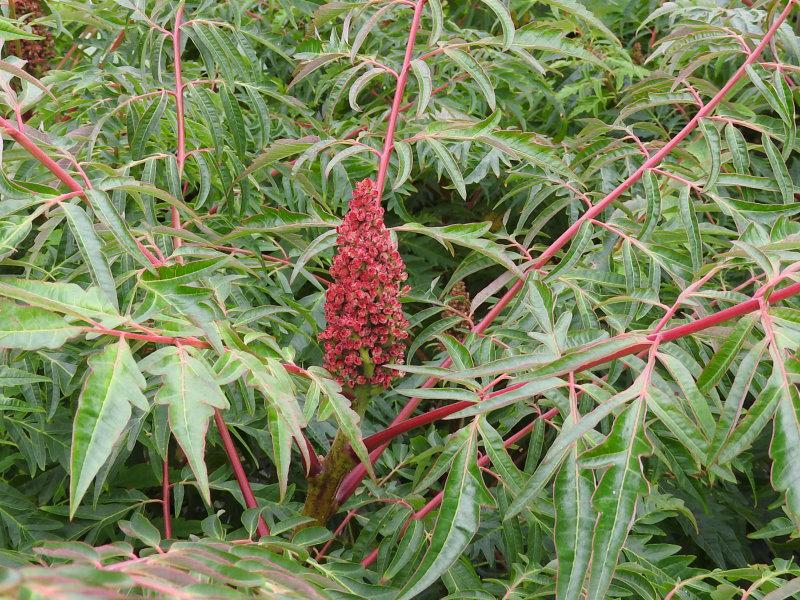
(383, 164)
(176, 51)
(241, 478)
(165, 497)
(23, 140)
(354, 478)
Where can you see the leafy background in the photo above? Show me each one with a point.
(641, 461)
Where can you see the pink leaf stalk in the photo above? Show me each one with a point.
(355, 477)
(366, 328)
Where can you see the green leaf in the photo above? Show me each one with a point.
(723, 358)
(32, 328)
(467, 236)
(580, 11)
(105, 211)
(13, 231)
(779, 169)
(758, 416)
(575, 518)
(689, 220)
(437, 20)
(281, 447)
(475, 70)
(190, 393)
(234, 121)
(574, 252)
(113, 384)
(10, 31)
(560, 447)
(714, 148)
(67, 298)
(405, 161)
(91, 248)
(456, 523)
(147, 126)
(407, 549)
(734, 400)
(653, 208)
(359, 84)
(270, 378)
(617, 493)
(499, 9)
(668, 412)
(347, 418)
(449, 164)
(279, 150)
(141, 529)
(424, 80)
(785, 447)
(510, 475)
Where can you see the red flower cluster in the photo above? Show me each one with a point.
(362, 305)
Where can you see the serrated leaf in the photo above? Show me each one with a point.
(617, 493)
(191, 394)
(456, 523)
(113, 385)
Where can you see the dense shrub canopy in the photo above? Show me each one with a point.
(596, 207)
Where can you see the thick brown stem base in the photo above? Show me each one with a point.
(321, 502)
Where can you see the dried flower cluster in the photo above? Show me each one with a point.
(362, 305)
(37, 53)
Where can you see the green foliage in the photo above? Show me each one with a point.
(167, 219)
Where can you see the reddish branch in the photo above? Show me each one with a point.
(656, 337)
(352, 481)
(165, 496)
(383, 164)
(176, 51)
(238, 471)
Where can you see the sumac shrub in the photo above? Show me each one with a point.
(399, 298)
